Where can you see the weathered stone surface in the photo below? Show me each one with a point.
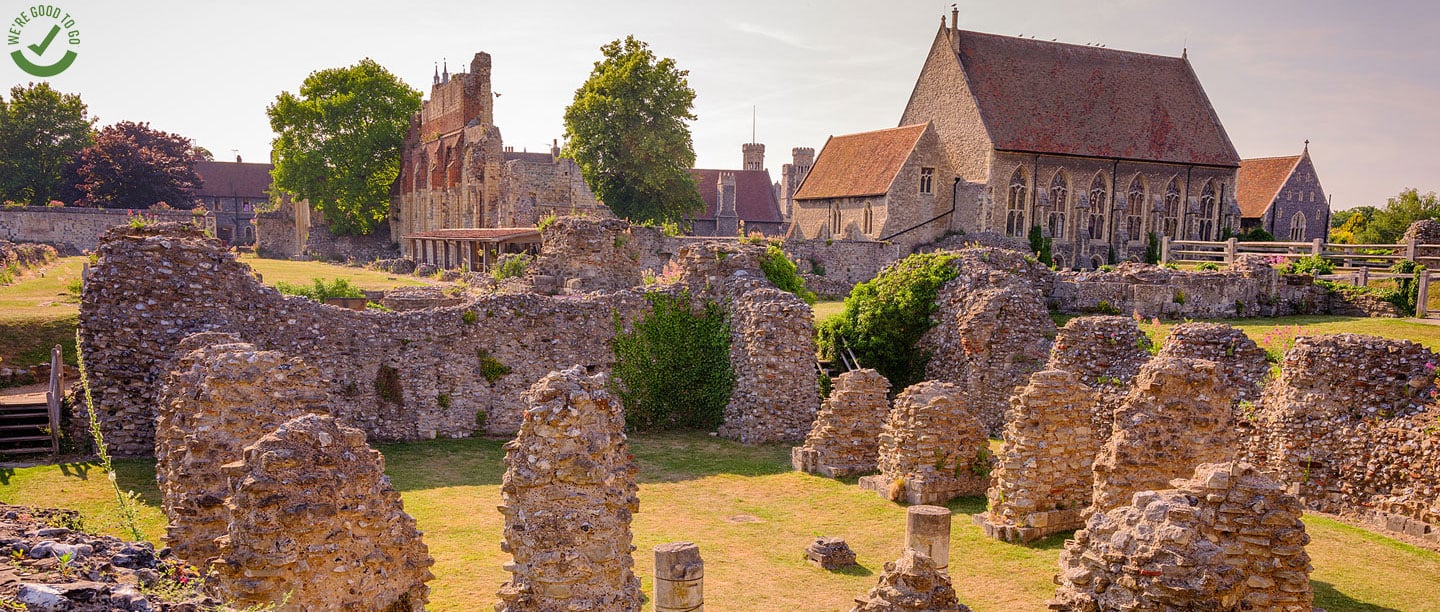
(600, 255)
(992, 329)
(314, 518)
(1350, 426)
(1248, 287)
(772, 353)
(18, 258)
(1043, 477)
(911, 584)
(218, 400)
(1227, 539)
(932, 448)
(845, 439)
(830, 553)
(568, 496)
(1242, 362)
(1176, 416)
(1105, 353)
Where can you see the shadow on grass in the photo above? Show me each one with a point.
(854, 570)
(1327, 597)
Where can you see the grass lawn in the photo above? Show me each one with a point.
(1258, 329)
(752, 518)
(828, 308)
(300, 272)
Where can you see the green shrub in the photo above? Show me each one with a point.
(442, 400)
(387, 385)
(1040, 245)
(1152, 249)
(510, 265)
(884, 318)
(816, 267)
(1106, 308)
(490, 368)
(1106, 268)
(1406, 294)
(1314, 265)
(673, 369)
(545, 222)
(320, 289)
(782, 272)
(1208, 266)
(469, 317)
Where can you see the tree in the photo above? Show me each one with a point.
(41, 131)
(203, 154)
(337, 144)
(1347, 225)
(133, 166)
(627, 131)
(1387, 225)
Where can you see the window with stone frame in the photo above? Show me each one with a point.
(835, 219)
(1099, 206)
(1059, 202)
(1015, 205)
(1135, 209)
(1209, 213)
(927, 180)
(1170, 223)
(869, 218)
(1297, 227)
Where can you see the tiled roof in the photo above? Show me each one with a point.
(861, 164)
(493, 234)
(1260, 180)
(1048, 97)
(534, 158)
(754, 194)
(232, 179)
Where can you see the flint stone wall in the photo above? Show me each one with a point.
(932, 448)
(1351, 426)
(597, 255)
(1227, 539)
(992, 330)
(1043, 477)
(1105, 353)
(1176, 416)
(313, 518)
(772, 353)
(1248, 287)
(74, 230)
(568, 496)
(845, 439)
(216, 401)
(1243, 364)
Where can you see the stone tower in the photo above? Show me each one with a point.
(480, 72)
(727, 222)
(754, 156)
(791, 175)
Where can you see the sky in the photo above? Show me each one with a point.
(1359, 80)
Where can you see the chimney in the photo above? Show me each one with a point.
(555, 148)
(727, 223)
(754, 154)
(954, 16)
(237, 158)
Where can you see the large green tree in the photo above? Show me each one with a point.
(1387, 225)
(628, 131)
(338, 142)
(41, 131)
(133, 166)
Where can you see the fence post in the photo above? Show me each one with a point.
(1362, 277)
(1317, 246)
(1410, 249)
(1230, 248)
(1421, 306)
(1164, 249)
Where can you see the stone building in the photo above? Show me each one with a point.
(893, 184)
(802, 159)
(1097, 147)
(457, 173)
(232, 190)
(736, 197)
(1283, 196)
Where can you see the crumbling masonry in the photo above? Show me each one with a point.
(845, 439)
(932, 449)
(911, 583)
(1104, 353)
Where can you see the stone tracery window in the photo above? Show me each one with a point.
(1099, 200)
(1297, 227)
(1170, 223)
(1209, 212)
(1015, 205)
(1059, 201)
(1135, 209)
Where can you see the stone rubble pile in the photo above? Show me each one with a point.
(1105, 353)
(911, 583)
(830, 553)
(588, 254)
(845, 439)
(932, 448)
(1227, 539)
(218, 400)
(1242, 362)
(1043, 477)
(315, 524)
(1176, 416)
(568, 496)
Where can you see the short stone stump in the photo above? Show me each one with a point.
(830, 553)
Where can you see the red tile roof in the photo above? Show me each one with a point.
(754, 194)
(232, 179)
(1042, 96)
(493, 234)
(1260, 180)
(863, 164)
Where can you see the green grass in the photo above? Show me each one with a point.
(301, 272)
(752, 518)
(827, 308)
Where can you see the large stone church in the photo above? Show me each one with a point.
(1097, 147)
(456, 173)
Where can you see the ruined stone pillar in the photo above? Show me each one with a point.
(927, 530)
(845, 439)
(679, 578)
(932, 448)
(911, 583)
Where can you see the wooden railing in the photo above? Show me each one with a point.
(1345, 256)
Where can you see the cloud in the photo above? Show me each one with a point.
(779, 36)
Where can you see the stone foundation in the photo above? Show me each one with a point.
(932, 448)
(845, 439)
(1227, 539)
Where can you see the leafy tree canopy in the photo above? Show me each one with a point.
(338, 142)
(133, 166)
(627, 129)
(204, 154)
(1387, 225)
(41, 131)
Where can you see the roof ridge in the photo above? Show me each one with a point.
(1270, 157)
(1070, 44)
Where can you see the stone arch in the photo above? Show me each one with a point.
(1099, 206)
(1054, 217)
(1015, 203)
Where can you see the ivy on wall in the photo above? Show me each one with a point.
(673, 369)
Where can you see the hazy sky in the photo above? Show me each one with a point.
(1361, 82)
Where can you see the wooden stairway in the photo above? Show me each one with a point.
(29, 423)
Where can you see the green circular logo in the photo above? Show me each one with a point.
(43, 39)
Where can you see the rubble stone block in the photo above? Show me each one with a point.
(845, 439)
(911, 583)
(932, 448)
(830, 553)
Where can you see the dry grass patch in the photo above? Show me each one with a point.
(301, 272)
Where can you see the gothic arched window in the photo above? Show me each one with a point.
(869, 218)
(1059, 201)
(834, 220)
(1135, 209)
(1099, 206)
(1297, 227)
(1015, 205)
(1209, 212)
(1170, 223)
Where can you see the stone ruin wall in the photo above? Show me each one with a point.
(323, 245)
(217, 400)
(992, 330)
(845, 439)
(316, 524)
(1243, 364)
(1351, 425)
(1177, 415)
(1104, 353)
(568, 496)
(16, 258)
(772, 353)
(1043, 475)
(74, 230)
(583, 254)
(1227, 539)
(932, 448)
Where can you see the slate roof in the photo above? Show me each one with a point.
(754, 194)
(1048, 97)
(856, 165)
(1259, 182)
(232, 179)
